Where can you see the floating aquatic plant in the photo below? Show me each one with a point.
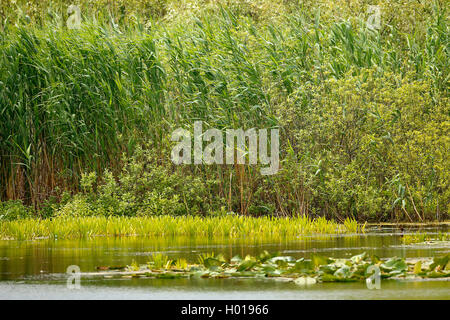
(301, 271)
(363, 113)
(421, 237)
(229, 226)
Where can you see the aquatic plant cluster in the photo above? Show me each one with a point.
(422, 237)
(86, 115)
(229, 226)
(271, 265)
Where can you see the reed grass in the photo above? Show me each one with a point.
(167, 226)
(75, 101)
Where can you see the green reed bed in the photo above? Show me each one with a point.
(167, 226)
(284, 268)
(68, 99)
(363, 112)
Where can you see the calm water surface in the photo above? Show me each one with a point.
(37, 269)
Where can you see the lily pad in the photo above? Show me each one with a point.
(394, 265)
(319, 260)
(343, 273)
(358, 258)
(305, 281)
(246, 264)
(441, 262)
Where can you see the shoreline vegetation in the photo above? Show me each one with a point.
(230, 226)
(86, 115)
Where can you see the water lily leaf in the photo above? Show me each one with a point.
(436, 274)
(329, 268)
(283, 279)
(418, 267)
(200, 274)
(332, 278)
(361, 270)
(395, 265)
(244, 274)
(375, 259)
(263, 257)
(305, 281)
(329, 278)
(275, 273)
(231, 270)
(195, 268)
(268, 268)
(221, 275)
(318, 260)
(339, 263)
(215, 268)
(324, 269)
(282, 258)
(211, 261)
(358, 258)
(440, 262)
(169, 275)
(247, 264)
(303, 266)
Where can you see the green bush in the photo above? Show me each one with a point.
(14, 209)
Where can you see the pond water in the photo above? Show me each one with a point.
(37, 269)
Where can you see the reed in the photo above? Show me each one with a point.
(167, 226)
(423, 237)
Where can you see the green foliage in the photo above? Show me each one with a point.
(363, 112)
(366, 140)
(145, 188)
(13, 210)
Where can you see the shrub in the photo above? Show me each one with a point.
(14, 209)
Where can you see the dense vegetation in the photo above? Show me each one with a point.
(86, 115)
